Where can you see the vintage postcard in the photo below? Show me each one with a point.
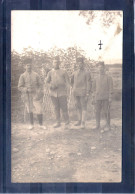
(66, 96)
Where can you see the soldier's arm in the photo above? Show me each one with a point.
(67, 78)
(48, 79)
(21, 84)
(39, 82)
(88, 82)
(72, 80)
(110, 87)
(94, 87)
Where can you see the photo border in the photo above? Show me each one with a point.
(127, 184)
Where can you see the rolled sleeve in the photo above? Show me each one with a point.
(21, 84)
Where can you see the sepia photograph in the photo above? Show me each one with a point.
(66, 96)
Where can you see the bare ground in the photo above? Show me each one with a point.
(72, 155)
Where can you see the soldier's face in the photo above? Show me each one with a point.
(101, 70)
(28, 67)
(80, 64)
(56, 64)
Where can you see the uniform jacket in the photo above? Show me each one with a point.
(58, 81)
(102, 87)
(81, 82)
(30, 83)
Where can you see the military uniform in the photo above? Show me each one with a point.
(58, 82)
(81, 84)
(102, 95)
(30, 86)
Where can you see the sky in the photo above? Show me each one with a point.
(43, 30)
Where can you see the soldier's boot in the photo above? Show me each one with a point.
(108, 120)
(66, 120)
(97, 121)
(31, 121)
(107, 125)
(66, 125)
(78, 123)
(40, 120)
(58, 124)
(83, 120)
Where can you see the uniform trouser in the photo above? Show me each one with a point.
(80, 102)
(81, 106)
(31, 104)
(102, 104)
(60, 103)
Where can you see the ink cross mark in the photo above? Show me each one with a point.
(100, 44)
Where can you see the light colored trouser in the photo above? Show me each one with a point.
(31, 104)
(81, 106)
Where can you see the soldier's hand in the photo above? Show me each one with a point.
(87, 95)
(24, 90)
(29, 89)
(110, 100)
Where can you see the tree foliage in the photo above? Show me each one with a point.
(107, 18)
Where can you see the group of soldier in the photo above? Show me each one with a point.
(60, 84)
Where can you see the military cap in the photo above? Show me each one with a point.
(101, 64)
(27, 60)
(57, 58)
(80, 59)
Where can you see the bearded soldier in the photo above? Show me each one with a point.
(59, 83)
(30, 86)
(81, 84)
(102, 95)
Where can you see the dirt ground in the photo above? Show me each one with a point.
(71, 155)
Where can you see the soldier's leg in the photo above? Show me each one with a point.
(106, 109)
(63, 107)
(31, 118)
(84, 107)
(79, 110)
(98, 106)
(56, 104)
(29, 107)
(39, 111)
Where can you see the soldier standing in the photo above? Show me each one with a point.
(81, 84)
(30, 86)
(102, 95)
(59, 82)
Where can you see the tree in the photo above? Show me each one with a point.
(107, 18)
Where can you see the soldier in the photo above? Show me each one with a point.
(30, 86)
(59, 82)
(102, 95)
(81, 84)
